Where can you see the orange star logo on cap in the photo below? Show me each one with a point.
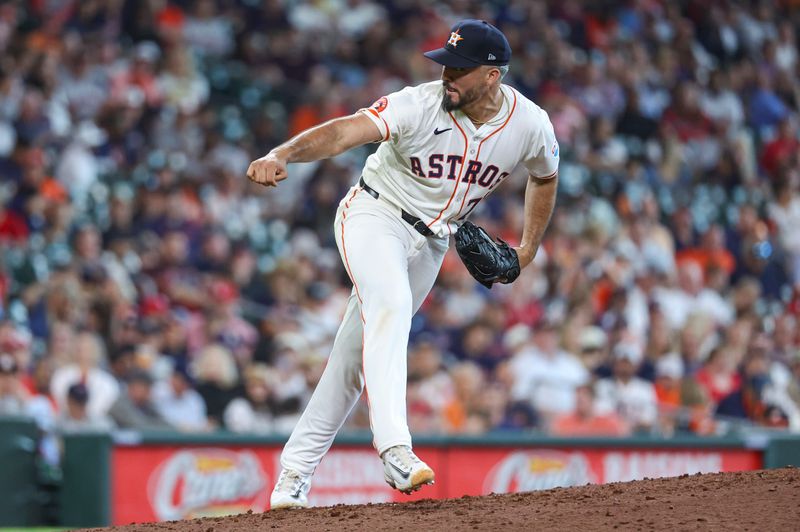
(454, 38)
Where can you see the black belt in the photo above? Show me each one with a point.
(412, 220)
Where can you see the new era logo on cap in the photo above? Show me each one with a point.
(473, 43)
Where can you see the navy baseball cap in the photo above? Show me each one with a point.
(79, 393)
(473, 43)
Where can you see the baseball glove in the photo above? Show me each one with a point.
(486, 260)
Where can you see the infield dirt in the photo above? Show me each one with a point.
(753, 500)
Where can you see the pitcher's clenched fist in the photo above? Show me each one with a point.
(267, 170)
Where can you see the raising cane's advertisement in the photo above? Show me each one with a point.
(161, 483)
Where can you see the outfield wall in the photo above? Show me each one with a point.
(173, 476)
(132, 477)
(165, 482)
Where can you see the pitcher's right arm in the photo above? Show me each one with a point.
(319, 142)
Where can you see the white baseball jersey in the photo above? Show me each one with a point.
(438, 165)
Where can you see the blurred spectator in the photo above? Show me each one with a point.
(721, 104)
(125, 216)
(181, 83)
(290, 389)
(254, 412)
(718, 376)
(225, 325)
(461, 414)
(135, 408)
(85, 368)
(748, 401)
(780, 153)
(479, 343)
(785, 214)
(593, 344)
(13, 229)
(38, 382)
(17, 342)
(430, 388)
(76, 417)
(206, 31)
(634, 399)
(135, 84)
(669, 374)
(217, 378)
(519, 415)
(584, 421)
(178, 403)
(690, 297)
(682, 403)
(765, 108)
(78, 169)
(13, 397)
(793, 388)
(122, 361)
(546, 375)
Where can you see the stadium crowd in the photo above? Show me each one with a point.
(145, 284)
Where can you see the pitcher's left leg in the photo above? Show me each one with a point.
(375, 246)
(401, 466)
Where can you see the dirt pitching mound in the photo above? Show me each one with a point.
(753, 500)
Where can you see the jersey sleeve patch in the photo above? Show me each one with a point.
(380, 104)
(395, 114)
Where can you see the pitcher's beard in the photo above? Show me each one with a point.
(448, 104)
(467, 98)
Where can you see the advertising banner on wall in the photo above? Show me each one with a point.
(156, 483)
(504, 471)
(160, 483)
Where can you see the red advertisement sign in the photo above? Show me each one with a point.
(207, 482)
(540, 469)
(161, 483)
(170, 482)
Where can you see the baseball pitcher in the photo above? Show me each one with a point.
(445, 145)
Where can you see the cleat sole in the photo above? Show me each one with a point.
(289, 507)
(420, 478)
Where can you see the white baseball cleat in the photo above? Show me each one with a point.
(291, 490)
(404, 471)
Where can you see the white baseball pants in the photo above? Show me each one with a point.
(393, 268)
